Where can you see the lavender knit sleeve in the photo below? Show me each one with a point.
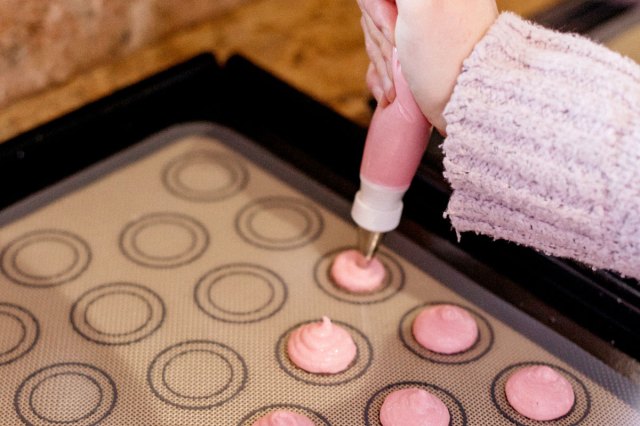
(543, 145)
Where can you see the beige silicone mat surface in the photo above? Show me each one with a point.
(162, 292)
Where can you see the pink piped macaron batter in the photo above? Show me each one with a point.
(351, 271)
(445, 329)
(539, 392)
(413, 407)
(283, 418)
(321, 347)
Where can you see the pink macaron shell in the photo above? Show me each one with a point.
(321, 347)
(445, 329)
(413, 407)
(539, 393)
(351, 272)
(283, 418)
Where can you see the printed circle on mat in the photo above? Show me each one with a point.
(482, 345)
(45, 258)
(279, 223)
(393, 283)
(205, 176)
(579, 411)
(317, 418)
(456, 410)
(164, 240)
(68, 393)
(117, 313)
(358, 367)
(240, 293)
(19, 332)
(197, 374)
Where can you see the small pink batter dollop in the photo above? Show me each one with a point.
(413, 407)
(351, 272)
(321, 347)
(445, 329)
(539, 393)
(283, 418)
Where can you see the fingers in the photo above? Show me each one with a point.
(383, 14)
(375, 86)
(386, 47)
(380, 53)
(380, 19)
(378, 25)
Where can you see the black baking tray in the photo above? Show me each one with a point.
(596, 309)
(582, 16)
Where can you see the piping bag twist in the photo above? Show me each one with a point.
(397, 138)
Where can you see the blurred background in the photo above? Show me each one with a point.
(58, 55)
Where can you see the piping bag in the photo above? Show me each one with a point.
(397, 138)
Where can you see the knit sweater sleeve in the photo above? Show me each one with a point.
(543, 145)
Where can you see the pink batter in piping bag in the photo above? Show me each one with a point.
(397, 138)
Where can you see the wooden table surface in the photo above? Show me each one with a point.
(315, 45)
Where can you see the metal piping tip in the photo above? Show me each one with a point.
(368, 243)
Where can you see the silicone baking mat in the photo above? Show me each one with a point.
(159, 288)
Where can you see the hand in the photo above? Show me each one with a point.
(433, 37)
(378, 23)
